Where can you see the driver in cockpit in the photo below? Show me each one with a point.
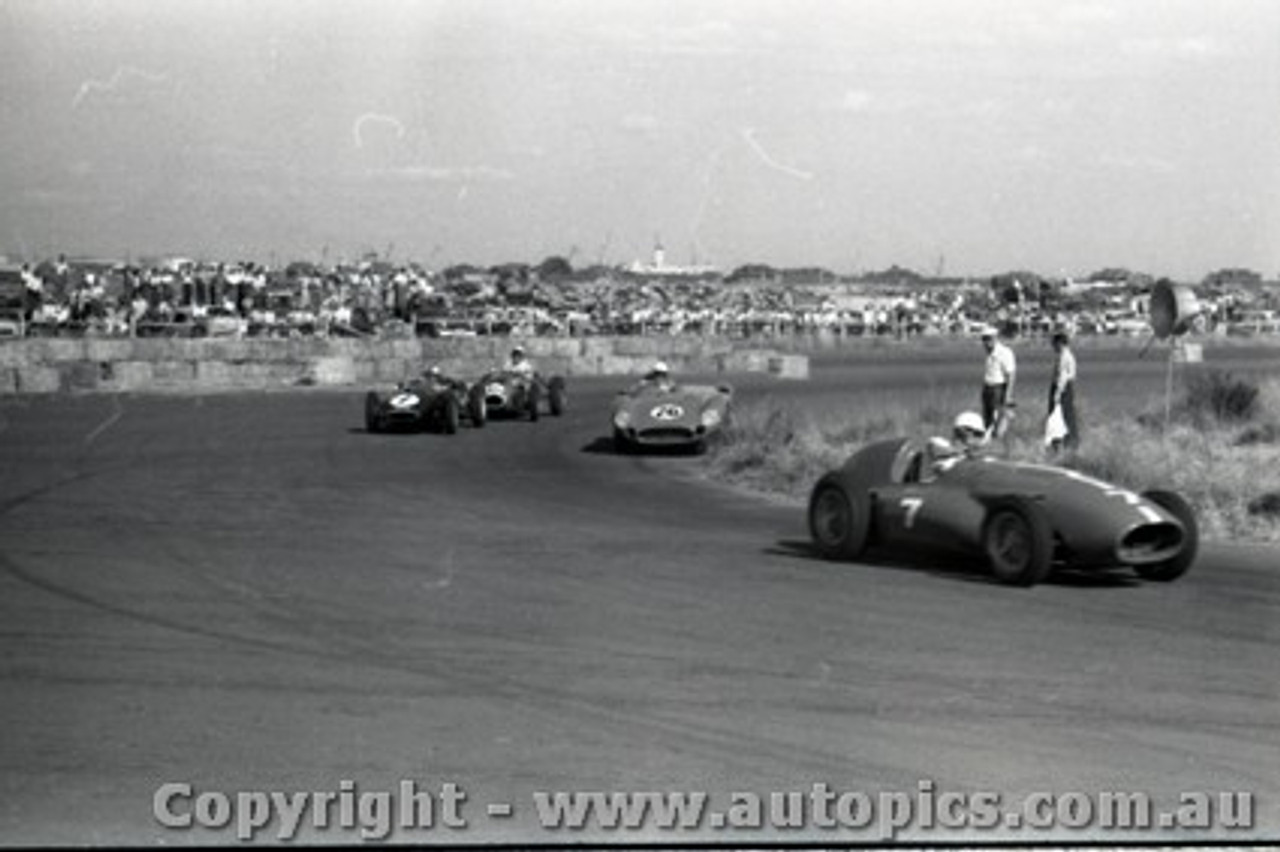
(518, 363)
(969, 437)
(658, 377)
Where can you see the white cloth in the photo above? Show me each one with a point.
(1000, 366)
(1055, 426)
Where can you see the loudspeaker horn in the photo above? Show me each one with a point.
(1174, 307)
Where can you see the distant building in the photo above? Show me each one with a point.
(658, 267)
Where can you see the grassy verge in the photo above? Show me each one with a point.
(1220, 447)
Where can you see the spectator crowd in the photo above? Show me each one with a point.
(375, 297)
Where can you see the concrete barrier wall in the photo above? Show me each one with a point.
(54, 365)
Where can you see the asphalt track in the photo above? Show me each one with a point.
(247, 592)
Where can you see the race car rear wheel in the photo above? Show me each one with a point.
(1171, 569)
(556, 396)
(372, 412)
(839, 522)
(449, 415)
(1018, 539)
(531, 401)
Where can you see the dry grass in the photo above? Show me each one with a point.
(1224, 461)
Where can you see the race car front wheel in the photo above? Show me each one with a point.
(477, 409)
(1018, 540)
(839, 522)
(1171, 569)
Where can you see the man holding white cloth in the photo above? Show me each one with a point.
(1061, 427)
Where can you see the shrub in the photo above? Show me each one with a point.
(1266, 504)
(1264, 433)
(1221, 396)
(869, 428)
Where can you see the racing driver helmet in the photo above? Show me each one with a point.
(969, 429)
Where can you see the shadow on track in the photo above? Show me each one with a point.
(604, 446)
(601, 446)
(961, 569)
(407, 430)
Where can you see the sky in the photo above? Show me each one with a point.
(963, 137)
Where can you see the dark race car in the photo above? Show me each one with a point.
(1024, 518)
(510, 393)
(429, 403)
(654, 415)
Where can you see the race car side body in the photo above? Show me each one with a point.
(437, 405)
(1025, 518)
(509, 393)
(651, 415)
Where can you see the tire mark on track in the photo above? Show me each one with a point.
(67, 593)
(112, 419)
(324, 645)
(307, 633)
(8, 505)
(312, 627)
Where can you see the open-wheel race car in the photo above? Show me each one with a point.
(1026, 519)
(659, 415)
(511, 393)
(430, 403)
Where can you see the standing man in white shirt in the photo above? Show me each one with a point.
(1062, 391)
(997, 381)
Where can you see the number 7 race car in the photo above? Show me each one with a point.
(431, 403)
(1025, 518)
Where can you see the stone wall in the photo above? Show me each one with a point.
(52, 365)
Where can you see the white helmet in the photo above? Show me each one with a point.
(969, 421)
(660, 368)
